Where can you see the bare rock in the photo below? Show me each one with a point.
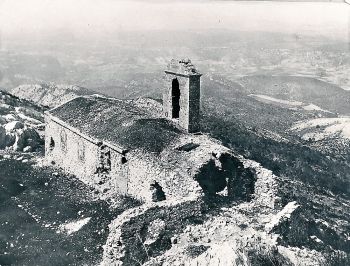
(26, 137)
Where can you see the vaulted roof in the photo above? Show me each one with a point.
(130, 124)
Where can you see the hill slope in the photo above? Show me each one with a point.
(49, 95)
(303, 89)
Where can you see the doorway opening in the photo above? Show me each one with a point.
(175, 93)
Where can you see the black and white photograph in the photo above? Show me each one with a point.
(174, 133)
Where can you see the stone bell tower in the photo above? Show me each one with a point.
(181, 98)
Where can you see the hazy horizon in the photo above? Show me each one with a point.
(88, 18)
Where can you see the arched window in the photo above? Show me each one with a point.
(175, 96)
(81, 150)
(52, 144)
(63, 140)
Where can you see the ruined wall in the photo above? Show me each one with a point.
(266, 189)
(144, 169)
(205, 169)
(145, 232)
(82, 157)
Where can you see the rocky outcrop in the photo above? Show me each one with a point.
(21, 124)
(16, 136)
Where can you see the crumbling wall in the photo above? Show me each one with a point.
(207, 169)
(144, 170)
(266, 192)
(240, 180)
(245, 180)
(145, 232)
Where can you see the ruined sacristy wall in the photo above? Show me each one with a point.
(145, 232)
(194, 165)
(144, 170)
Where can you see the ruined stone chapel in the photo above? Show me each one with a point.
(149, 149)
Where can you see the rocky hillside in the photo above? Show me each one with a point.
(21, 124)
(49, 95)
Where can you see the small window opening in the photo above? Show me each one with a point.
(52, 144)
(124, 160)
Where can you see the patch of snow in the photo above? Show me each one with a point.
(155, 229)
(302, 256)
(289, 104)
(313, 107)
(275, 100)
(316, 239)
(13, 125)
(282, 215)
(29, 119)
(5, 106)
(325, 126)
(73, 227)
(315, 136)
(9, 117)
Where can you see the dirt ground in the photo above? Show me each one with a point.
(47, 218)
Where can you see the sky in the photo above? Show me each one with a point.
(103, 16)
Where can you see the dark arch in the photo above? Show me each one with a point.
(175, 95)
(52, 144)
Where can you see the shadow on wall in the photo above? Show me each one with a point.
(226, 171)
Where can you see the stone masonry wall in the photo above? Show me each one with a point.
(143, 170)
(189, 100)
(194, 104)
(81, 157)
(267, 191)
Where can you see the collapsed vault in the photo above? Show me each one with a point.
(224, 171)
